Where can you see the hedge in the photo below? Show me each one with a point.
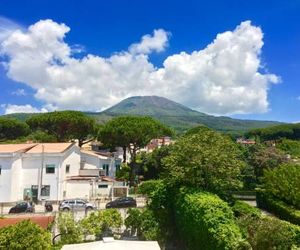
(277, 207)
(205, 221)
(241, 208)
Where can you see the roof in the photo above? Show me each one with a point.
(98, 154)
(114, 245)
(13, 148)
(50, 148)
(42, 221)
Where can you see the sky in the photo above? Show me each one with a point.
(233, 58)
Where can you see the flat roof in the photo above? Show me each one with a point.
(114, 245)
(50, 148)
(13, 148)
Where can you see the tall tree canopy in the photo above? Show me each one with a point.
(132, 133)
(206, 160)
(11, 129)
(64, 125)
(288, 131)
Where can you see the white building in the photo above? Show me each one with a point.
(51, 168)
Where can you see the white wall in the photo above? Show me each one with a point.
(5, 177)
(94, 161)
(77, 189)
(21, 171)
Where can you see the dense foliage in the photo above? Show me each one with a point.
(283, 183)
(241, 208)
(70, 230)
(151, 163)
(268, 233)
(24, 235)
(131, 133)
(278, 207)
(64, 125)
(288, 131)
(207, 160)
(258, 158)
(143, 223)
(290, 147)
(206, 222)
(11, 129)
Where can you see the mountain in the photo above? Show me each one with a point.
(179, 116)
(173, 114)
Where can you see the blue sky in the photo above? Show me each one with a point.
(106, 28)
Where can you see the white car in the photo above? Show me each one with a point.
(76, 205)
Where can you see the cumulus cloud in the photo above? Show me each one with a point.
(11, 108)
(226, 77)
(158, 42)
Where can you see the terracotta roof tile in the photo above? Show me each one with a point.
(12, 148)
(50, 148)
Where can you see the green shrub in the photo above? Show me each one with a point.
(283, 183)
(278, 208)
(144, 224)
(241, 208)
(102, 221)
(268, 233)
(71, 231)
(24, 235)
(290, 147)
(133, 221)
(206, 222)
(148, 187)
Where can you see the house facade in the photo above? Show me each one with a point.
(46, 171)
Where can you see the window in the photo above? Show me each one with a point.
(117, 167)
(45, 190)
(67, 168)
(106, 168)
(81, 203)
(102, 186)
(50, 168)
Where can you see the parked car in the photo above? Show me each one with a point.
(76, 205)
(122, 203)
(22, 207)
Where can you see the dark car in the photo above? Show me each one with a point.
(122, 203)
(22, 207)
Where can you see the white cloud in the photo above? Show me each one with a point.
(19, 92)
(158, 42)
(7, 27)
(223, 78)
(11, 108)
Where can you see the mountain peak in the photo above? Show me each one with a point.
(150, 105)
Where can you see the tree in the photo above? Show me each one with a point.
(71, 232)
(101, 222)
(265, 157)
(143, 223)
(24, 235)
(151, 163)
(132, 133)
(207, 160)
(64, 125)
(283, 183)
(11, 129)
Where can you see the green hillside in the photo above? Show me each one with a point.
(173, 114)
